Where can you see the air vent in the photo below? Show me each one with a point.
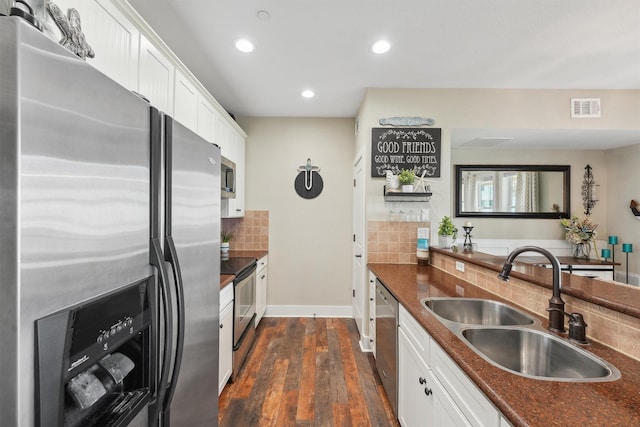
(585, 107)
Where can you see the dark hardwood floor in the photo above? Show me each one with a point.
(306, 372)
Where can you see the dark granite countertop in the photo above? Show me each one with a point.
(257, 254)
(523, 401)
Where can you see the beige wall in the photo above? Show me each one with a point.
(623, 165)
(309, 240)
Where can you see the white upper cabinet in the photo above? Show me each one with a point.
(221, 130)
(156, 74)
(113, 38)
(206, 119)
(185, 102)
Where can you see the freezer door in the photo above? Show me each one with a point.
(74, 191)
(192, 242)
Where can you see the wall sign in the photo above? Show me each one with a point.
(395, 149)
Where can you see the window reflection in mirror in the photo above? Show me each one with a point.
(517, 191)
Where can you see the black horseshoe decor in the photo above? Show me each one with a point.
(308, 183)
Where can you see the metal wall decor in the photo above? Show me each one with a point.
(406, 121)
(308, 183)
(588, 191)
(634, 208)
(72, 36)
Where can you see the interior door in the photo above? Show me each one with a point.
(359, 297)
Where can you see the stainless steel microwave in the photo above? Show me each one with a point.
(228, 178)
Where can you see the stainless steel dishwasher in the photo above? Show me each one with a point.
(387, 343)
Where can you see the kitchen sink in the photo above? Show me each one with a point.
(537, 354)
(473, 311)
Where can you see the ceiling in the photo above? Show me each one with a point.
(323, 45)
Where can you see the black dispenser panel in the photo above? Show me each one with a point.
(93, 360)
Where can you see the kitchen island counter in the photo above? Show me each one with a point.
(523, 401)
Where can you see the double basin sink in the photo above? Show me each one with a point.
(514, 341)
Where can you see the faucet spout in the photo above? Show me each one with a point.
(556, 319)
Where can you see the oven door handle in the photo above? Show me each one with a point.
(171, 256)
(157, 260)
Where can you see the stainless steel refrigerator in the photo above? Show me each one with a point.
(83, 225)
(186, 215)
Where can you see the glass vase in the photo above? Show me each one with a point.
(581, 250)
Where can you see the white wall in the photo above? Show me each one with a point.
(309, 240)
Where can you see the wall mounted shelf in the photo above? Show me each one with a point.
(399, 196)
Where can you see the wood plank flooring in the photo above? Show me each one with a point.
(306, 372)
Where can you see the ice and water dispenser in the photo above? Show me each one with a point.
(93, 364)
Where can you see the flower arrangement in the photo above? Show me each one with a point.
(578, 231)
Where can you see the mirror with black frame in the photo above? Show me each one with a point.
(513, 191)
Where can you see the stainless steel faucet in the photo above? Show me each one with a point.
(556, 305)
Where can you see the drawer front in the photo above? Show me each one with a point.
(416, 334)
(226, 296)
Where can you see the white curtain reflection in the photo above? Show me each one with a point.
(527, 184)
(470, 192)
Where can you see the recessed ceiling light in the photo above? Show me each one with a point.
(308, 93)
(381, 46)
(244, 45)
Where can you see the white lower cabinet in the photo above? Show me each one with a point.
(225, 356)
(261, 289)
(432, 389)
(372, 312)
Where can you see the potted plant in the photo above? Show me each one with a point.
(406, 178)
(447, 233)
(225, 238)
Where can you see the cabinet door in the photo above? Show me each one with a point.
(261, 293)
(206, 119)
(467, 397)
(445, 411)
(156, 75)
(225, 346)
(221, 136)
(185, 102)
(415, 388)
(113, 38)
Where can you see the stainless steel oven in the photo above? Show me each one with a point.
(244, 307)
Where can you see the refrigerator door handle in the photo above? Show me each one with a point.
(158, 261)
(171, 256)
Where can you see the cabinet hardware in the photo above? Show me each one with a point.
(427, 391)
(422, 380)
(221, 325)
(359, 256)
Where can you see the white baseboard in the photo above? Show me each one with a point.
(309, 311)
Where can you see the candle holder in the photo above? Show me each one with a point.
(606, 254)
(613, 241)
(627, 248)
(467, 246)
